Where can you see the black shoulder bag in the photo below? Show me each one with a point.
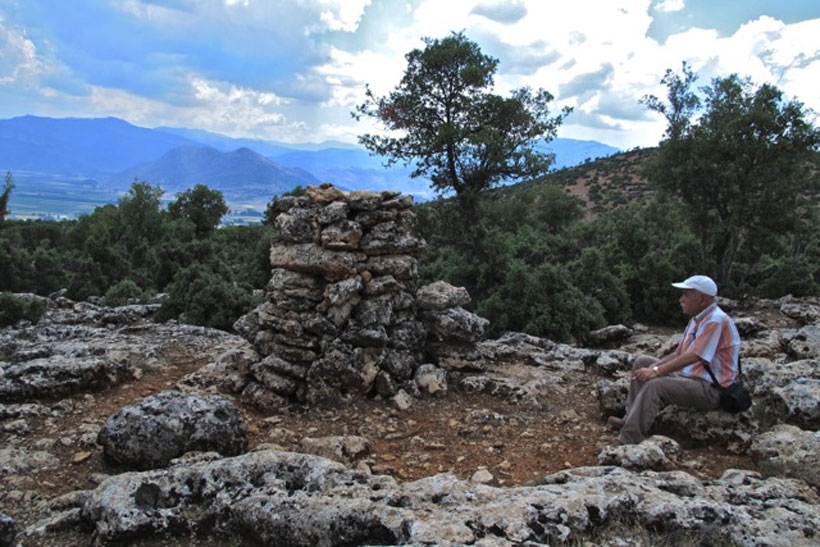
(734, 398)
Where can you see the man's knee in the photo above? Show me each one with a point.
(643, 361)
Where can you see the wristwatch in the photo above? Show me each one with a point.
(655, 370)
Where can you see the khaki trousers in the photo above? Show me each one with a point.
(646, 399)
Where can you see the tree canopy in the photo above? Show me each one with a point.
(8, 186)
(465, 138)
(738, 158)
(202, 206)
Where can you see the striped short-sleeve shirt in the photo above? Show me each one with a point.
(712, 336)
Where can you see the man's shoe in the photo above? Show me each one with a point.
(615, 422)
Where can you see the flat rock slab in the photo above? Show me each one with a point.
(272, 497)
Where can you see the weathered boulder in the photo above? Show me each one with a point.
(657, 452)
(612, 396)
(455, 325)
(788, 451)
(715, 427)
(60, 376)
(797, 402)
(169, 424)
(431, 380)
(227, 372)
(785, 391)
(748, 326)
(440, 295)
(803, 343)
(611, 334)
(804, 310)
(347, 449)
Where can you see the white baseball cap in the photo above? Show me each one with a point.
(700, 283)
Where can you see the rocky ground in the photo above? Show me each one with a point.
(497, 436)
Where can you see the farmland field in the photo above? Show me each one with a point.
(55, 197)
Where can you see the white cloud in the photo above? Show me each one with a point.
(342, 14)
(19, 61)
(218, 107)
(670, 6)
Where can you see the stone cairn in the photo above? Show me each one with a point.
(343, 314)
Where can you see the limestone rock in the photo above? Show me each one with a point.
(440, 295)
(657, 452)
(271, 497)
(788, 451)
(169, 424)
(347, 449)
(716, 427)
(804, 343)
(610, 334)
(804, 311)
(56, 376)
(431, 380)
(312, 259)
(455, 324)
(612, 396)
(19, 460)
(797, 402)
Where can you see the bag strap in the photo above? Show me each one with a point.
(712, 374)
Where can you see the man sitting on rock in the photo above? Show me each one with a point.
(680, 378)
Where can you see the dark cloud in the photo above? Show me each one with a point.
(506, 13)
(623, 106)
(521, 60)
(528, 59)
(594, 120)
(590, 82)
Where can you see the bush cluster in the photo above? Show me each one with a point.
(528, 254)
(533, 263)
(133, 250)
(14, 308)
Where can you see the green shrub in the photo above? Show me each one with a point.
(13, 308)
(124, 292)
(206, 295)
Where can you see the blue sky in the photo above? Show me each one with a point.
(292, 71)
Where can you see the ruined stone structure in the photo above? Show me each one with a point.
(343, 315)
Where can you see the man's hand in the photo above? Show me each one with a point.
(645, 374)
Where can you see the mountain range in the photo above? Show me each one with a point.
(65, 167)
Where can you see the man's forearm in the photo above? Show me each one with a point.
(675, 363)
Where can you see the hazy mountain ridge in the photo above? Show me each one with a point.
(108, 154)
(184, 167)
(79, 146)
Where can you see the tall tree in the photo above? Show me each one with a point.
(202, 206)
(738, 159)
(140, 212)
(465, 138)
(4, 197)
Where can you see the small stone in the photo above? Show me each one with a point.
(80, 457)
(482, 476)
(402, 400)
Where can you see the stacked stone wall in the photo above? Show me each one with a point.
(341, 316)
